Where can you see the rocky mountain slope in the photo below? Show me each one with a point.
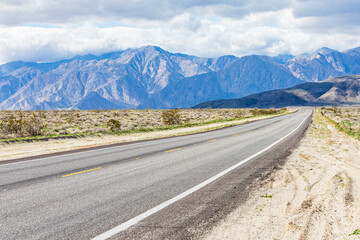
(251, 74)
(325, 63)
(116, 80)
(155, 78)
(333, 91)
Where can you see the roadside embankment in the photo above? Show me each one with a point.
(315, 195)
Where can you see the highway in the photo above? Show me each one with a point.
(167, 188)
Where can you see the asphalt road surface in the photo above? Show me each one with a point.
(173, 188)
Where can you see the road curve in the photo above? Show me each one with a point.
(141, 190)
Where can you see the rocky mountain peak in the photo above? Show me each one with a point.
(324, 51)
(152, 77)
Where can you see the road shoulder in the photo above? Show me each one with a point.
(191, 217)
(315, 194)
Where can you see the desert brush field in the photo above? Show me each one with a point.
(117, 126)
(20, 124)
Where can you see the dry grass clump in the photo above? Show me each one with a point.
(15, 124)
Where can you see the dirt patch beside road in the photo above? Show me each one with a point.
(315, 195)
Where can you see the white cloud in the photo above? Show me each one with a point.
(15, 12)
(206, 28)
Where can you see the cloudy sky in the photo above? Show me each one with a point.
(48, 30)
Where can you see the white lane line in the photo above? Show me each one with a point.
(163, 205)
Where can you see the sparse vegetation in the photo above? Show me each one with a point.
(345, 119)
(266, 196)
(317, 184)
(171, 117)
(239, 113)
(18, 125)
(256, 111)
(38, 124)
(35, 126)
(356, 232)
(114, 125)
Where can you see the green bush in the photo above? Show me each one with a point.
(114, 125)
(171, 117)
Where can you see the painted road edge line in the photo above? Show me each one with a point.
(75, 173)
(163, 205)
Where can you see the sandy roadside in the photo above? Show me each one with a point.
(27, 149)
(315, 195)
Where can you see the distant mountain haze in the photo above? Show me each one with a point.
(150, 77)
(333, 91)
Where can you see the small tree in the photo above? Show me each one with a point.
(171, 117)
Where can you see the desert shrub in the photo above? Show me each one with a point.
(187, 120)
(171, 117)
(13, 125)
(239, 114)
(32, 126)
(35, 126)
(269, 111)
(55, 113)
(256, 111)
(335, 109)
(70, 118)
(114, 125)
(116, 113)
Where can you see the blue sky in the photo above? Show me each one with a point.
(48, 30)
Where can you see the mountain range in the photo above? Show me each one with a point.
(333, 91)
(150, 77)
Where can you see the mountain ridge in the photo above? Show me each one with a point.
(332, 91)
(150, 77)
